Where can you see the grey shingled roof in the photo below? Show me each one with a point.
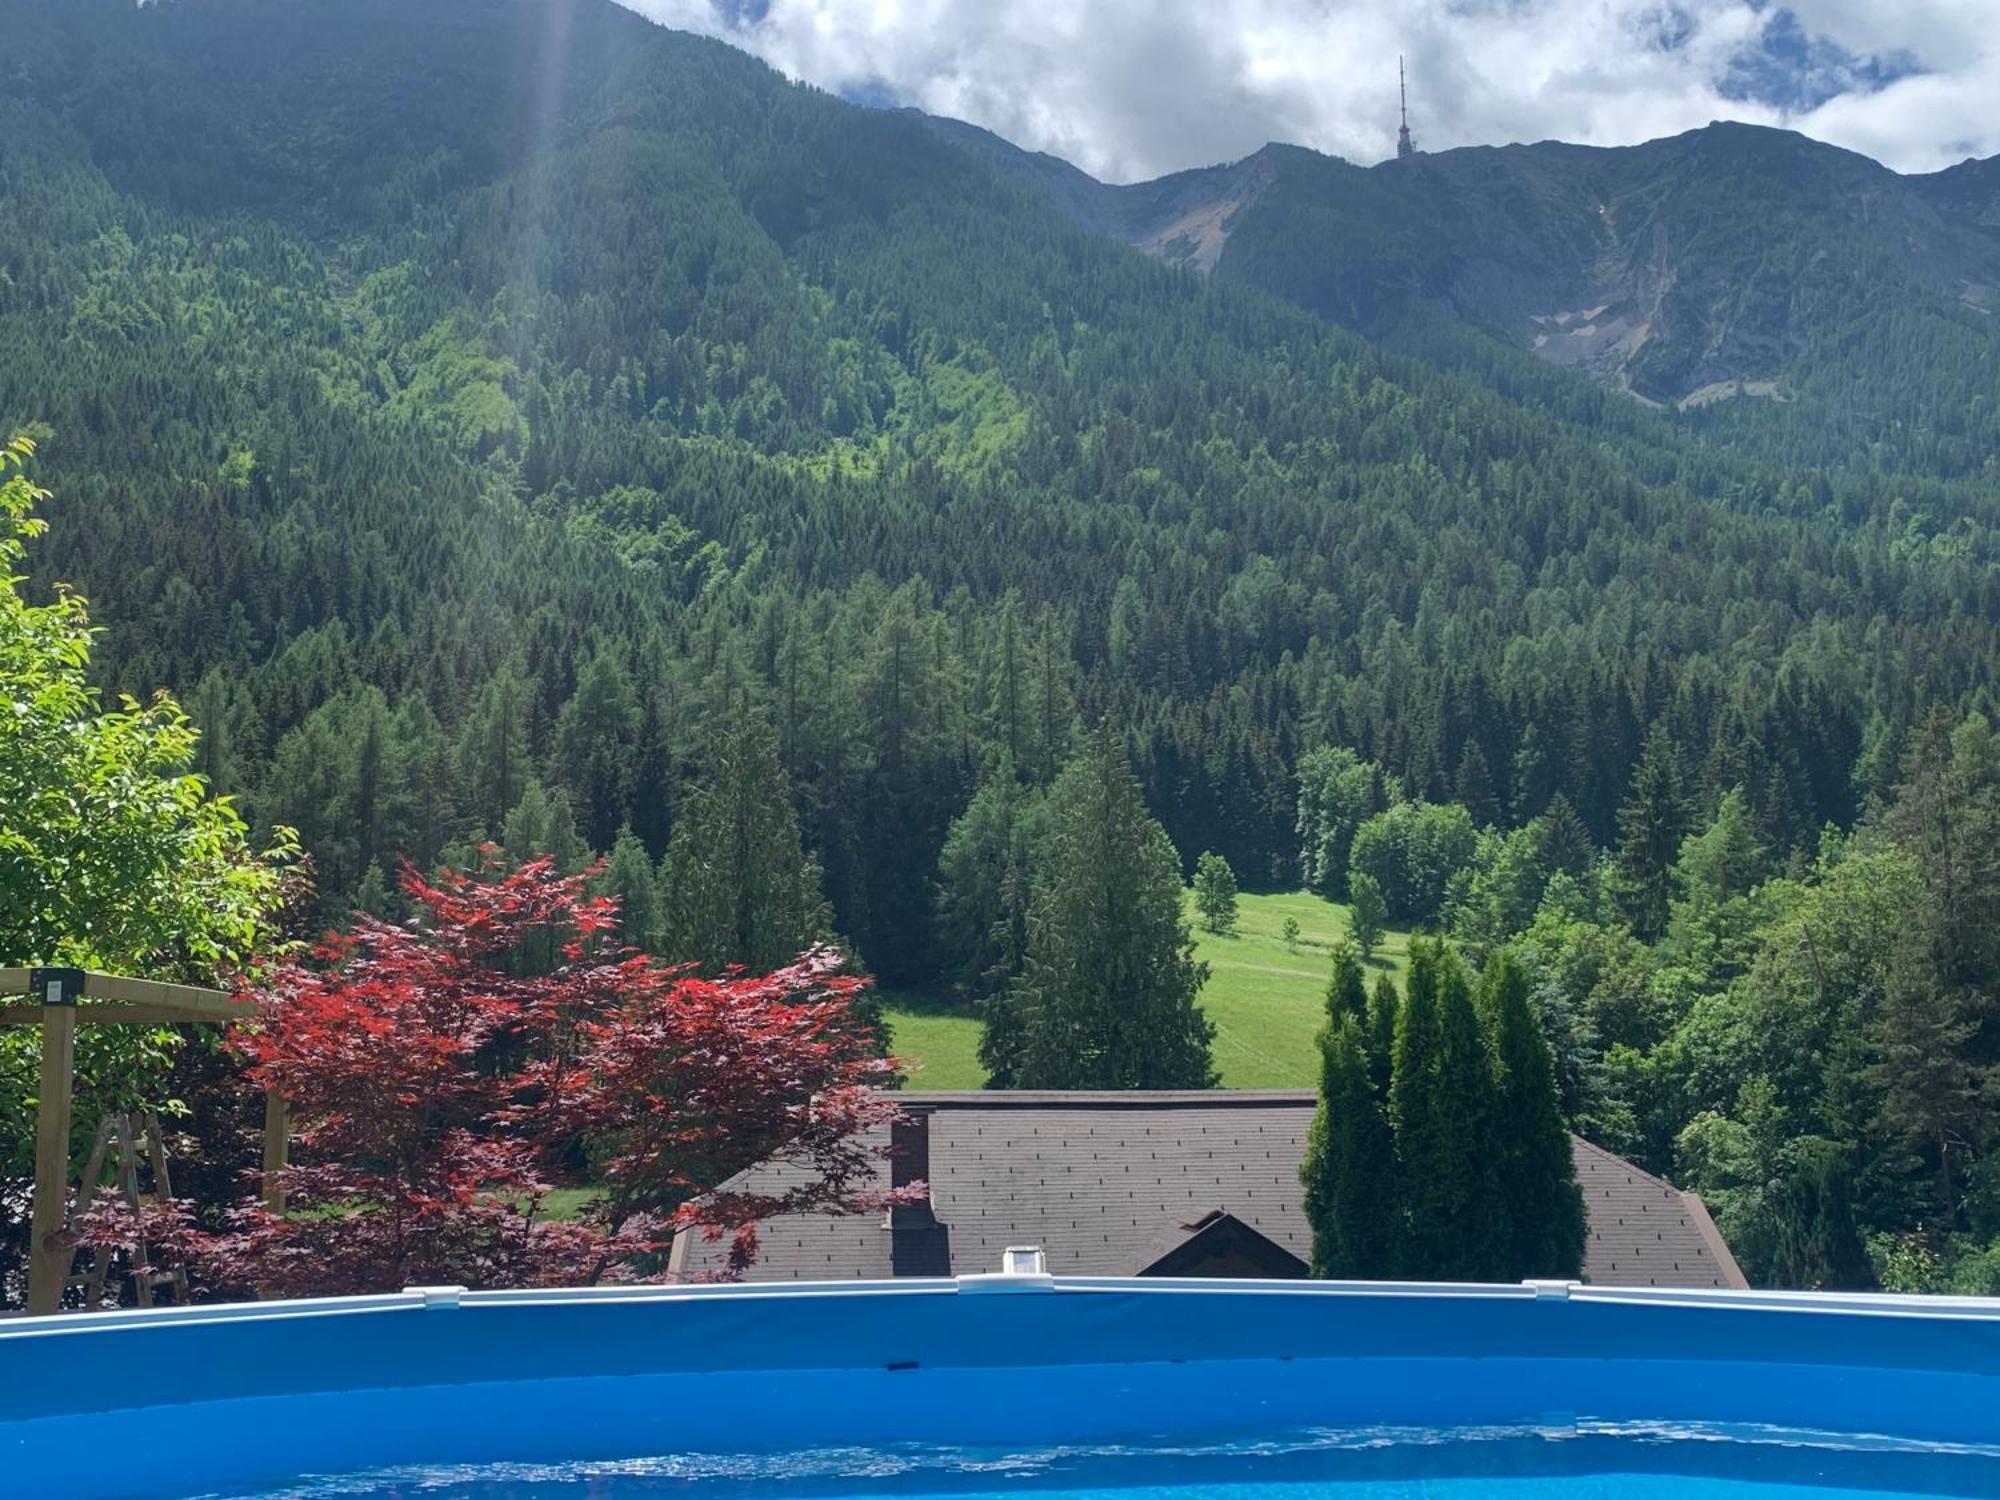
(1102, 1180)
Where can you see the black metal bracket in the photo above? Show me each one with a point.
(55, 986)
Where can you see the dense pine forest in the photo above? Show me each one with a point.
(478, 414)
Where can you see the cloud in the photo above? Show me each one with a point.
(1130, 89)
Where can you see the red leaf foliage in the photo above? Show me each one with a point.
(444, 1074)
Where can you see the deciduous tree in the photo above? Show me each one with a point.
(1215, 893)
(437, 1094)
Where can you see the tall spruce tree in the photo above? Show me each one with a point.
(1349, 1172)
(1106, 998)
(628, 875)
(1651, 824)
(984, 880)
(1443, 1109)
(1531, 1143)
(737, 887)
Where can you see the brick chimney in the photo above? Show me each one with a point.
(910, 1159)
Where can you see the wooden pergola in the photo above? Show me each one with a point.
(60, 1000)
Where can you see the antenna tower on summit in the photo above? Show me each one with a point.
(1405, 147)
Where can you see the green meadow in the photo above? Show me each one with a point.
(1265, 997)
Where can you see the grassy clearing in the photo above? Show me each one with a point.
(1266, 1000)
(937, 1041)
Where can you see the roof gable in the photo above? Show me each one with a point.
(1220, 1244)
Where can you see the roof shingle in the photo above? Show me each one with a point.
(1096, 1178)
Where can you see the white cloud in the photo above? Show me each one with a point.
(1129, 89)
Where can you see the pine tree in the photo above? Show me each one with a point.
(1651, 825)
(1537, 1173)
(1107, 996)
(737, 887)
(1349, 1171)
(1215, 893)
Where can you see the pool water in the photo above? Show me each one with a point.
(1570, 1463)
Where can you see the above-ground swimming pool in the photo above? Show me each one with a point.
(1019, 1386)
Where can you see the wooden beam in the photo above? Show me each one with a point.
(49, 1253)
(277, 1149)
(116, 1012)
(154, 1000)
(196, 1000)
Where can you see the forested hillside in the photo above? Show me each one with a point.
(474, 409)
(1779, 295)
(455, 397)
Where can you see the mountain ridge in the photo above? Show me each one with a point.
(1681, 271)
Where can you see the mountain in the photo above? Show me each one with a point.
(474, 406)
(1729, 263)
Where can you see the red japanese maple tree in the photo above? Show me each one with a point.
(444, 1074)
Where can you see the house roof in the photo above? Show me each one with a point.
(1104, 1181)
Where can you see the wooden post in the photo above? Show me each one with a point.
(49, 1252)
(277, 1149)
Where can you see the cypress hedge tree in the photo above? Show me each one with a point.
(1537, 1174)
(1444, 1109)
(1106, 998)
(1349, 1173)
(1384, 1006)
(1347, 995)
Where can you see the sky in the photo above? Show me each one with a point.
(1133, 89)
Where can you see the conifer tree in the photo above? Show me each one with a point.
(1347, 994)
(595, 748)
(1215, 893)
(1349, 1171)
(541, 823)
(494, 767)
(1473, 787)
(628, 875)
(1442, 1108)
(984, 880)
(1562, 839)
(1384, 1006)
(737, 887)
(1107, 996)
(1651, 825)
(1531, 1143)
